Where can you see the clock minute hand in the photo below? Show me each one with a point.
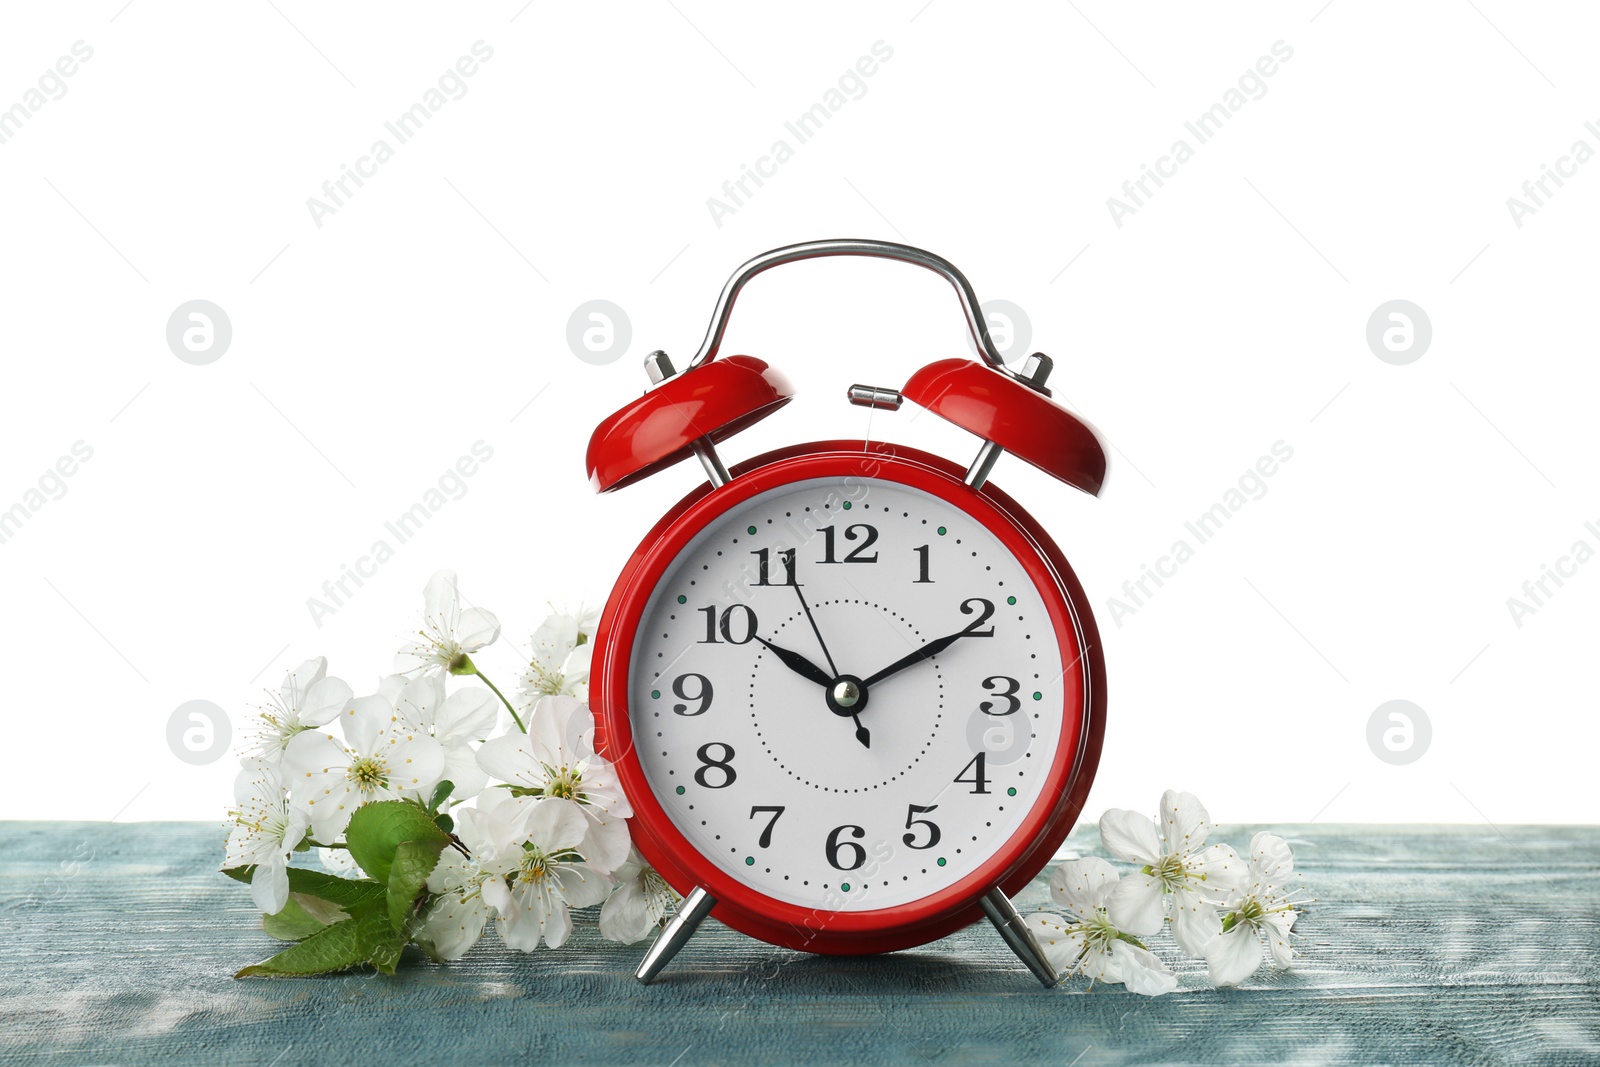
(798, 663)
(927, 651)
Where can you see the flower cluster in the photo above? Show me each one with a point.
(431, 819)
(1220, 907)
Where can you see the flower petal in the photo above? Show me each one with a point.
(1271, 860)
(1138, 905)
(269, 886)
(581, 885)
(1082, 885)
(1184, 822)
(468, 715)
(511, 758)
(1195, 922)
(1060, 940)
(324, 701)
(1142, 972)
(1129, 836)
(1234, 956)
(477, 629)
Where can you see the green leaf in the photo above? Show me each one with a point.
(333, 948)
(378, 829)
(380, 942)
(345, 892)
(293, 923)
(408, 877)
(441, 793)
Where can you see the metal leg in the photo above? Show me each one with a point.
(695, 907)
(715, 471)
(987, 456)
(1010, 923)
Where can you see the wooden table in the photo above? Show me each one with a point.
(1438, 944)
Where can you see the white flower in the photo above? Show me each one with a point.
(466, 716)
(339, 861)
(266, 828)
(448, 633)
(383, 757)
(1261, 910)
(308, 698)
(455, 920)
(1177, 870)
(536, 843)
(555, 758)
(635, 908)
(1087, 942)
(560, 662)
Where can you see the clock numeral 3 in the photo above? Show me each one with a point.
(912, 823)
(766, 834)
(835, 847)
(867, 537)
(725, 626)
(1009, 694)
(724, 764)
(702, 694)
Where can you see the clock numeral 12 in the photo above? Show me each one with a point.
(867, 537)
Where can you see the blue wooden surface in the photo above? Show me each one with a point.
(1428, 945)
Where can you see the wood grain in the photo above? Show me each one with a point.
(1438, 944)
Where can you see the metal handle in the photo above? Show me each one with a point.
(845, 247)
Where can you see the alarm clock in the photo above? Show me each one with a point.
(853, 691)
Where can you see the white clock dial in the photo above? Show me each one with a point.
(775, 750)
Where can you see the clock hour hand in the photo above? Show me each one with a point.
(798, 663)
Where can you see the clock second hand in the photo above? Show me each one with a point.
(862, 734)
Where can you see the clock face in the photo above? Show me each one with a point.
(848, 693)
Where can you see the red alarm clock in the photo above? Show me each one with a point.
(853, 691)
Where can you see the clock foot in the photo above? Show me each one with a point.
(1014, 929)
(695, 907)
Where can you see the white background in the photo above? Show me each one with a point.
(430, 312)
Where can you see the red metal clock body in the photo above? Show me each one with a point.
(979, 702)
(1053, 808)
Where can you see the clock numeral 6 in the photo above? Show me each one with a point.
(766, 834)
(723, 764)
(702, 694)
(912, 823)
(867, 536)
(725, 626)
(1009, 694)
(835, 847)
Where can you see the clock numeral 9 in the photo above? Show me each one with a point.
(867, 537)
(835, 847)
(1009, 694)
(725, 626)
(702, 694)
(764, 566)
(723, 764)
(912, 823)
